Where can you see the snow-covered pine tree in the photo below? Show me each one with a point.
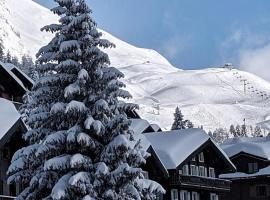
(232, 130)
(26, 64)
(81, 147)
(243, 130)
(8, 57)
(189, 124)
(2, 54)
(179, 122)
(237, 131)
(257, 132)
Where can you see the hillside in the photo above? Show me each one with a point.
(211, 97)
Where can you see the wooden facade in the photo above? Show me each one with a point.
(249, 187)
(9, 144)
(194, 179)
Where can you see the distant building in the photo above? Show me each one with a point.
(251, 156)
(187, 163)
(228, 66)
(13, 83)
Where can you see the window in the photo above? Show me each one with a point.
(174, 194)
(212, 172)
(261, 191)
(202, 171)
(184, 195)
(252, 167)
(195, 196)
(194, 170)
(194, 158)
(185, 170)
(213, 196)
(201, 157)
(145, 174)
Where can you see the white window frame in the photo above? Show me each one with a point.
(174, 194)
(252, 167)
(195, 196)
(212, 172)
(202, 169)
(185, 170)
(196, 170)
(201, 157)
(213, 196)
(194, 158)
(184, 195)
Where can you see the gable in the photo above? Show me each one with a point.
(12, 85)
(213, 155)
(27, 82)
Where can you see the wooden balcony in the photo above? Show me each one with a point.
(200, 182)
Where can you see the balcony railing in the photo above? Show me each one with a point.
(200, 182)
(4, 197)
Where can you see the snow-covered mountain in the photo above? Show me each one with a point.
(211, 97)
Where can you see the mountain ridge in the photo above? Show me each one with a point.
(212, 97)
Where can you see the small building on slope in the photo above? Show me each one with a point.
(187, 163)
(11, 130)
(251, 157)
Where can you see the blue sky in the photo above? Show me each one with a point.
(192, 34)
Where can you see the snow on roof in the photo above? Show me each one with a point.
(240, 175)
(8, 116)
(155, 127)
(139, 125)
(174, 147)
(8, 67)
(259, 146)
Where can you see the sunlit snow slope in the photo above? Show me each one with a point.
(212, 97)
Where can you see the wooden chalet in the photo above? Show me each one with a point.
(13, 83)
(251, 156)
(187, 163)
(11, 130)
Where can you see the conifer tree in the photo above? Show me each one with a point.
(189, 124)
(81, 147)
(2, 54)
(8, 57)
(243, 130)
(237, 131)
(232, 130)
(257, 132)
(14, 61)
(179, 122)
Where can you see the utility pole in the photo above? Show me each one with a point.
(245, 85)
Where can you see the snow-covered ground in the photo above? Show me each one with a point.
(211, 97)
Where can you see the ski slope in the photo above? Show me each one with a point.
(212, 97)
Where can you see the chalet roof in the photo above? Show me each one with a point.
(19, 76)
(155, 127)
(174, 147)
(240, 175)
(259, 146)
(139, 125)
(8, 116)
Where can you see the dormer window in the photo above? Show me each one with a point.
(252, 168)
(201, 157)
